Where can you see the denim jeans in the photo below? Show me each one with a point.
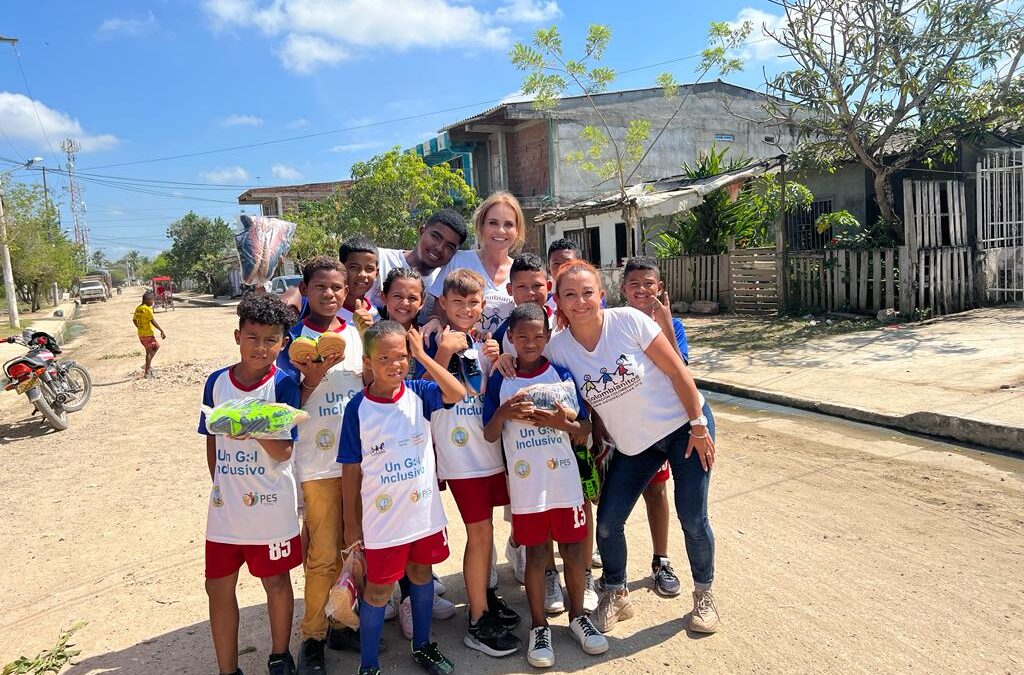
(626, 480)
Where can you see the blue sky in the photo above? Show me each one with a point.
(139, 81)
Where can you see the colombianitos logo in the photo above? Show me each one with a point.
(215, 497)
(383, 503)
(460, 437)
(257, 499)
(623, 371)
(522, 468)
(554, 463)
(325, 439)
(418, 495)
(377, 449)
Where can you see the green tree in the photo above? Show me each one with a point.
(319, 227)
(198, 248)
(98, 260)
(613, 153)
(891, 83)
(41, 254)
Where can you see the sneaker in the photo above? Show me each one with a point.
(281, 664)
(516, 555)
(540, 653)
(704, 618)
(405, 618)
(591, 641)
(498, 608)
(666, 583)
(369, 670)
(439, 586)
(554, 599)
(430, 659)
(613, 607)
(595, 560)
(490, 636)
(391, 610)
(590, 597)
(442, 609)
(311, 657)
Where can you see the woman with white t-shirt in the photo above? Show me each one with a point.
(631, 375)
(500, 228)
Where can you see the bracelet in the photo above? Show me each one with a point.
(692, 435)
(306, 386)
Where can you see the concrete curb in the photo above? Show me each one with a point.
(207, 301)
(942, 425)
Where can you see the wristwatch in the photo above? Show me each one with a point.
(701, 421)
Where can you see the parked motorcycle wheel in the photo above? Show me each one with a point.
(77, 378)
(55, 414)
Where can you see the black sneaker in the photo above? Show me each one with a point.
(500, 610)
(490, 636)
(345, 639)
(311, 658)
(430, 659)
(281, 664)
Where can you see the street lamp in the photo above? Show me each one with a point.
(5, 251)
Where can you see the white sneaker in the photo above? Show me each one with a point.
(614, 606)
(391, 609)
(439, 586)
(540, 653)
(704, 618)
(554, 599)
(405, 618)
(590, 597)
(595, 560)
(591, 641)
(442, 609)
(516, 555)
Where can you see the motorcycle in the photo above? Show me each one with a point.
(54, 387)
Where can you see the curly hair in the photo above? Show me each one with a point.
(320, 263)
(265, 309)
(452, 219)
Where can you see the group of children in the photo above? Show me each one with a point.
(392, 422)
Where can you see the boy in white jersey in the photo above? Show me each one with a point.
(252, 512)
(473, 467)
(326, 386)
(390, 487)
(359, 256)
(544, 479)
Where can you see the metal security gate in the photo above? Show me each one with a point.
(1001, 223)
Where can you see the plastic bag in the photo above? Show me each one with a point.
(343, 598)
(252, 417)
(261, 244)
(548, 396)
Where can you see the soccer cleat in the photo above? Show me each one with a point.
(490, 636)
(442, 609)
(281, 664)
(704, 618)
(554, 599)
(439, 586)
(591, 641)
(500, 610)
(613, 607)
(311, 658)
(405, 618)
(516, 555)
(540, 654)
(595, 560)
(590, 597)
(666, 583)
(430, 659)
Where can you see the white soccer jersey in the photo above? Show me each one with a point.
(542, 469)
(391, 440)
(316, 450)
(633, 396)
(252, 499)
(347, 316)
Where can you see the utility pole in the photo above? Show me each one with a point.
(12, 294)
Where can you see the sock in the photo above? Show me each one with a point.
(421, 597)
(277, 657)
(371, 626)
(403, 586)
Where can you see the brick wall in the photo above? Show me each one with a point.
(527, 153)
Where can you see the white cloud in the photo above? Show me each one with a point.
(300, 123)
(241, 121)
(356, 147)
(326, 32)
(233, 174)
(132, 27)
(759, 45)
(19, 122)
(285, 172)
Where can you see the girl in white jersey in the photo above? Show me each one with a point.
(628, 373)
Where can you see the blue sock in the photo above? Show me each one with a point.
(421, 597)
(371, 626)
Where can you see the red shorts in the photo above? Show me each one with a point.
(477, 497)
(662, 476)
(263, 560)
(566, 526)
(149, 341)
(387, 565)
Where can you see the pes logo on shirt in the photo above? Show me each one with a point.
(257, 499)
(555, 463)
(417, 495)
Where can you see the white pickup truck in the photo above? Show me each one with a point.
(92, 289)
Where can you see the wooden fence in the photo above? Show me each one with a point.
(697, 277)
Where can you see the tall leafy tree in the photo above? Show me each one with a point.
(198, 248)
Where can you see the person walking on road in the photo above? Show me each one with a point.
(145, 321)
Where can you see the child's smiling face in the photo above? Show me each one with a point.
(404, 300)
(325, 292)
(462, 311)
(259, 344)
(641, 287)
(388, 360)
(362, 271)
(529, 338)
(529, 286)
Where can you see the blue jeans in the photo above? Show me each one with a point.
(626, 480)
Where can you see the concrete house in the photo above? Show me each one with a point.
(278, 200)
(514, 147)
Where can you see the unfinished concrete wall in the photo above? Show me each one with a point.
(847, 188)
(528, 160)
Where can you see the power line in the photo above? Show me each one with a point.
(32, 99)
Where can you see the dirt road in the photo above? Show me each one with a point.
(840, 548)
